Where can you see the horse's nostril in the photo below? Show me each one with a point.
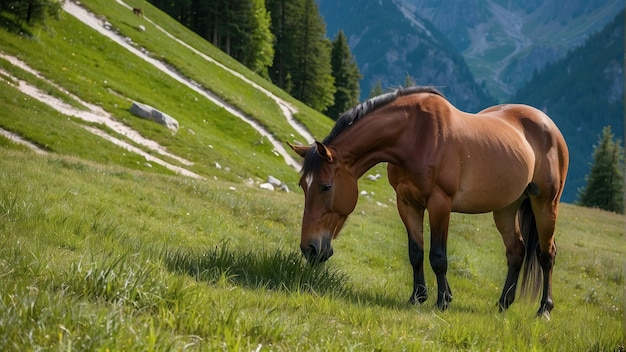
(310, 251)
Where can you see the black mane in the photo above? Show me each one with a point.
(312, 161)
(353, 115)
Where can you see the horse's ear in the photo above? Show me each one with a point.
(324, 152)
(299, 149)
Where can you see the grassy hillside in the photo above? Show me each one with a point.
(99, 251)
(97, 257)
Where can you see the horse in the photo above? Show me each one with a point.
(508, 159)
(138, 11)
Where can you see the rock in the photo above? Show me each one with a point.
(274, 181)
(277, 183)
(268, 186)
(148, 112)
(374, 177)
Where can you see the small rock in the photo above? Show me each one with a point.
(267, 186)
(149, 113)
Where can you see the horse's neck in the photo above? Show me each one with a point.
(372, 142)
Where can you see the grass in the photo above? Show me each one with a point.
(100, 252)
(97, 257)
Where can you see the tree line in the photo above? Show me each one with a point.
(32, 11)
(282, 40)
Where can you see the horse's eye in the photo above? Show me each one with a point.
(325, 187)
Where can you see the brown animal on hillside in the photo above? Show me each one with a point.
(509, 159)
(137, 11)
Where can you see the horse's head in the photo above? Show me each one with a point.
(330, 195)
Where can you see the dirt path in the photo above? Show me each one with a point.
(93, 114)
(287, 109)
(19, 140)
(98, 25)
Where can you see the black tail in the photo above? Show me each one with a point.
(532, 275)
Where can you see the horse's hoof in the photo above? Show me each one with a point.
(418, 299)
(545, 314)
(442, 306)
(544, 310)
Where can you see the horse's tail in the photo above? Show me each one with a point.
(532, 274)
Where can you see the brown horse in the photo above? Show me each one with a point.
(508, 159)
(138, 11)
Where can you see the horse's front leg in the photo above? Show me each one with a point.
(413, 218)
(439, 218)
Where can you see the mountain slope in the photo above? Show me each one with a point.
(388, 46)
(504, 42)
(220, 110)
(583, 93)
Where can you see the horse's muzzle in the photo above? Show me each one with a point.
(317, 251)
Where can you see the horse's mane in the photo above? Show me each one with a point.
(353, 115)
(312, 162)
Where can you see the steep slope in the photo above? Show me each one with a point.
(233, 123)
(583, 93)
(388, 46)
(503, 42)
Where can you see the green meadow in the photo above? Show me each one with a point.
(101, 250)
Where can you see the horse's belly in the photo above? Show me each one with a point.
(485, 192)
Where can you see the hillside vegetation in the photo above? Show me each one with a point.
(102, 250)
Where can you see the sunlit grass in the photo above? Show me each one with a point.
(97, 257)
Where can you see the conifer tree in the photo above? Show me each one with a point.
(32, 11)
(409, 81)
(605, 181)
(312, 74)
(256, 50)
(240, 28)
(376, 89)
(285, 15)
(302, 52)
(347, 76)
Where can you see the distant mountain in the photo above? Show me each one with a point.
(583, 93)
(389, 45)
(505, 41)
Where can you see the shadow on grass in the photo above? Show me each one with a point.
(271, 270)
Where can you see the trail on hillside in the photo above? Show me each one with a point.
(19, 140)
(95, 23)
(287, 109)
(93, 114)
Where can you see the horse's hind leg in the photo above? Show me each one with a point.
(506, 223)
(545, 216)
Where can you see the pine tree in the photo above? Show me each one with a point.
(312, 77)
(32, 11)
(347, 76)
(376, 89)
(409, 81)
(605, 181)
(285, 16)
(240, 28)
(258, 52)
(302, 52)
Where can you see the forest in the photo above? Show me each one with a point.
(284, 41)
